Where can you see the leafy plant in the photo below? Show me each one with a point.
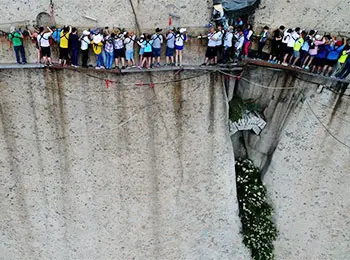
(239, 105)
(259, 231)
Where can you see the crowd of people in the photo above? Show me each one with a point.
(110, 47)
(308, 50)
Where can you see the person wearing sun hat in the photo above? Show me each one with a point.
(84, 47)
(157, 39)
(97, 47)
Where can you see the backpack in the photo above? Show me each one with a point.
(42, 37)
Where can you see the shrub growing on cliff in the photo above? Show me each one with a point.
(259, 232)
(239, 105)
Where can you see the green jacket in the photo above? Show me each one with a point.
(16, 39)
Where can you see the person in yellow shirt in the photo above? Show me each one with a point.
(342, 59)
(297, 47)
(97, 46)
(64, 51)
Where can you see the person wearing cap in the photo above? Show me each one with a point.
(64, 41)
(97, 47)
(180, 40)
(84, 47)
(44, 44)
(16, 37)
(74, 46)
(142, 49)
(129, 49)
(334, 50)
(227, 44)
(170, 47)
(157, 40)
(211, 49)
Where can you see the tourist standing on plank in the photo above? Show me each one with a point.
(84, 47)
(342, 59)
(264, 35)
(43, 39)
(211, 49)
(97, 47)
(276, 42)
(238, 45)
(142, 48)
(170, 47)
(227, 45)
(148, 52)
(129, 49)
(157, 40)
(219, 36)
(64, 39)
(16, 37)
(74, 46)
(248, 33)
(109, 49)
(180, 40)
(119, 49)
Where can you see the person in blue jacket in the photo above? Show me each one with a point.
(334, 49)
(320, 59)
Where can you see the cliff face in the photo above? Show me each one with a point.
(304, 153)
(125, 172)
(332, 17)
(149, 14)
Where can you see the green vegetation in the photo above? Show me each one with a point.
(238, 106)
(259, 231)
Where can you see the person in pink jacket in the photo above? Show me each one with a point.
(319, 40)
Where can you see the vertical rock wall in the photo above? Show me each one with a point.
(304, 152)
(127, 172)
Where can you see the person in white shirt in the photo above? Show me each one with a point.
(84, 47)
(211, 49)
(129, 49)
(293, 37)
(44, 44)
(180, 40)
(238, 45)
(219, 36)
(227, 45)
